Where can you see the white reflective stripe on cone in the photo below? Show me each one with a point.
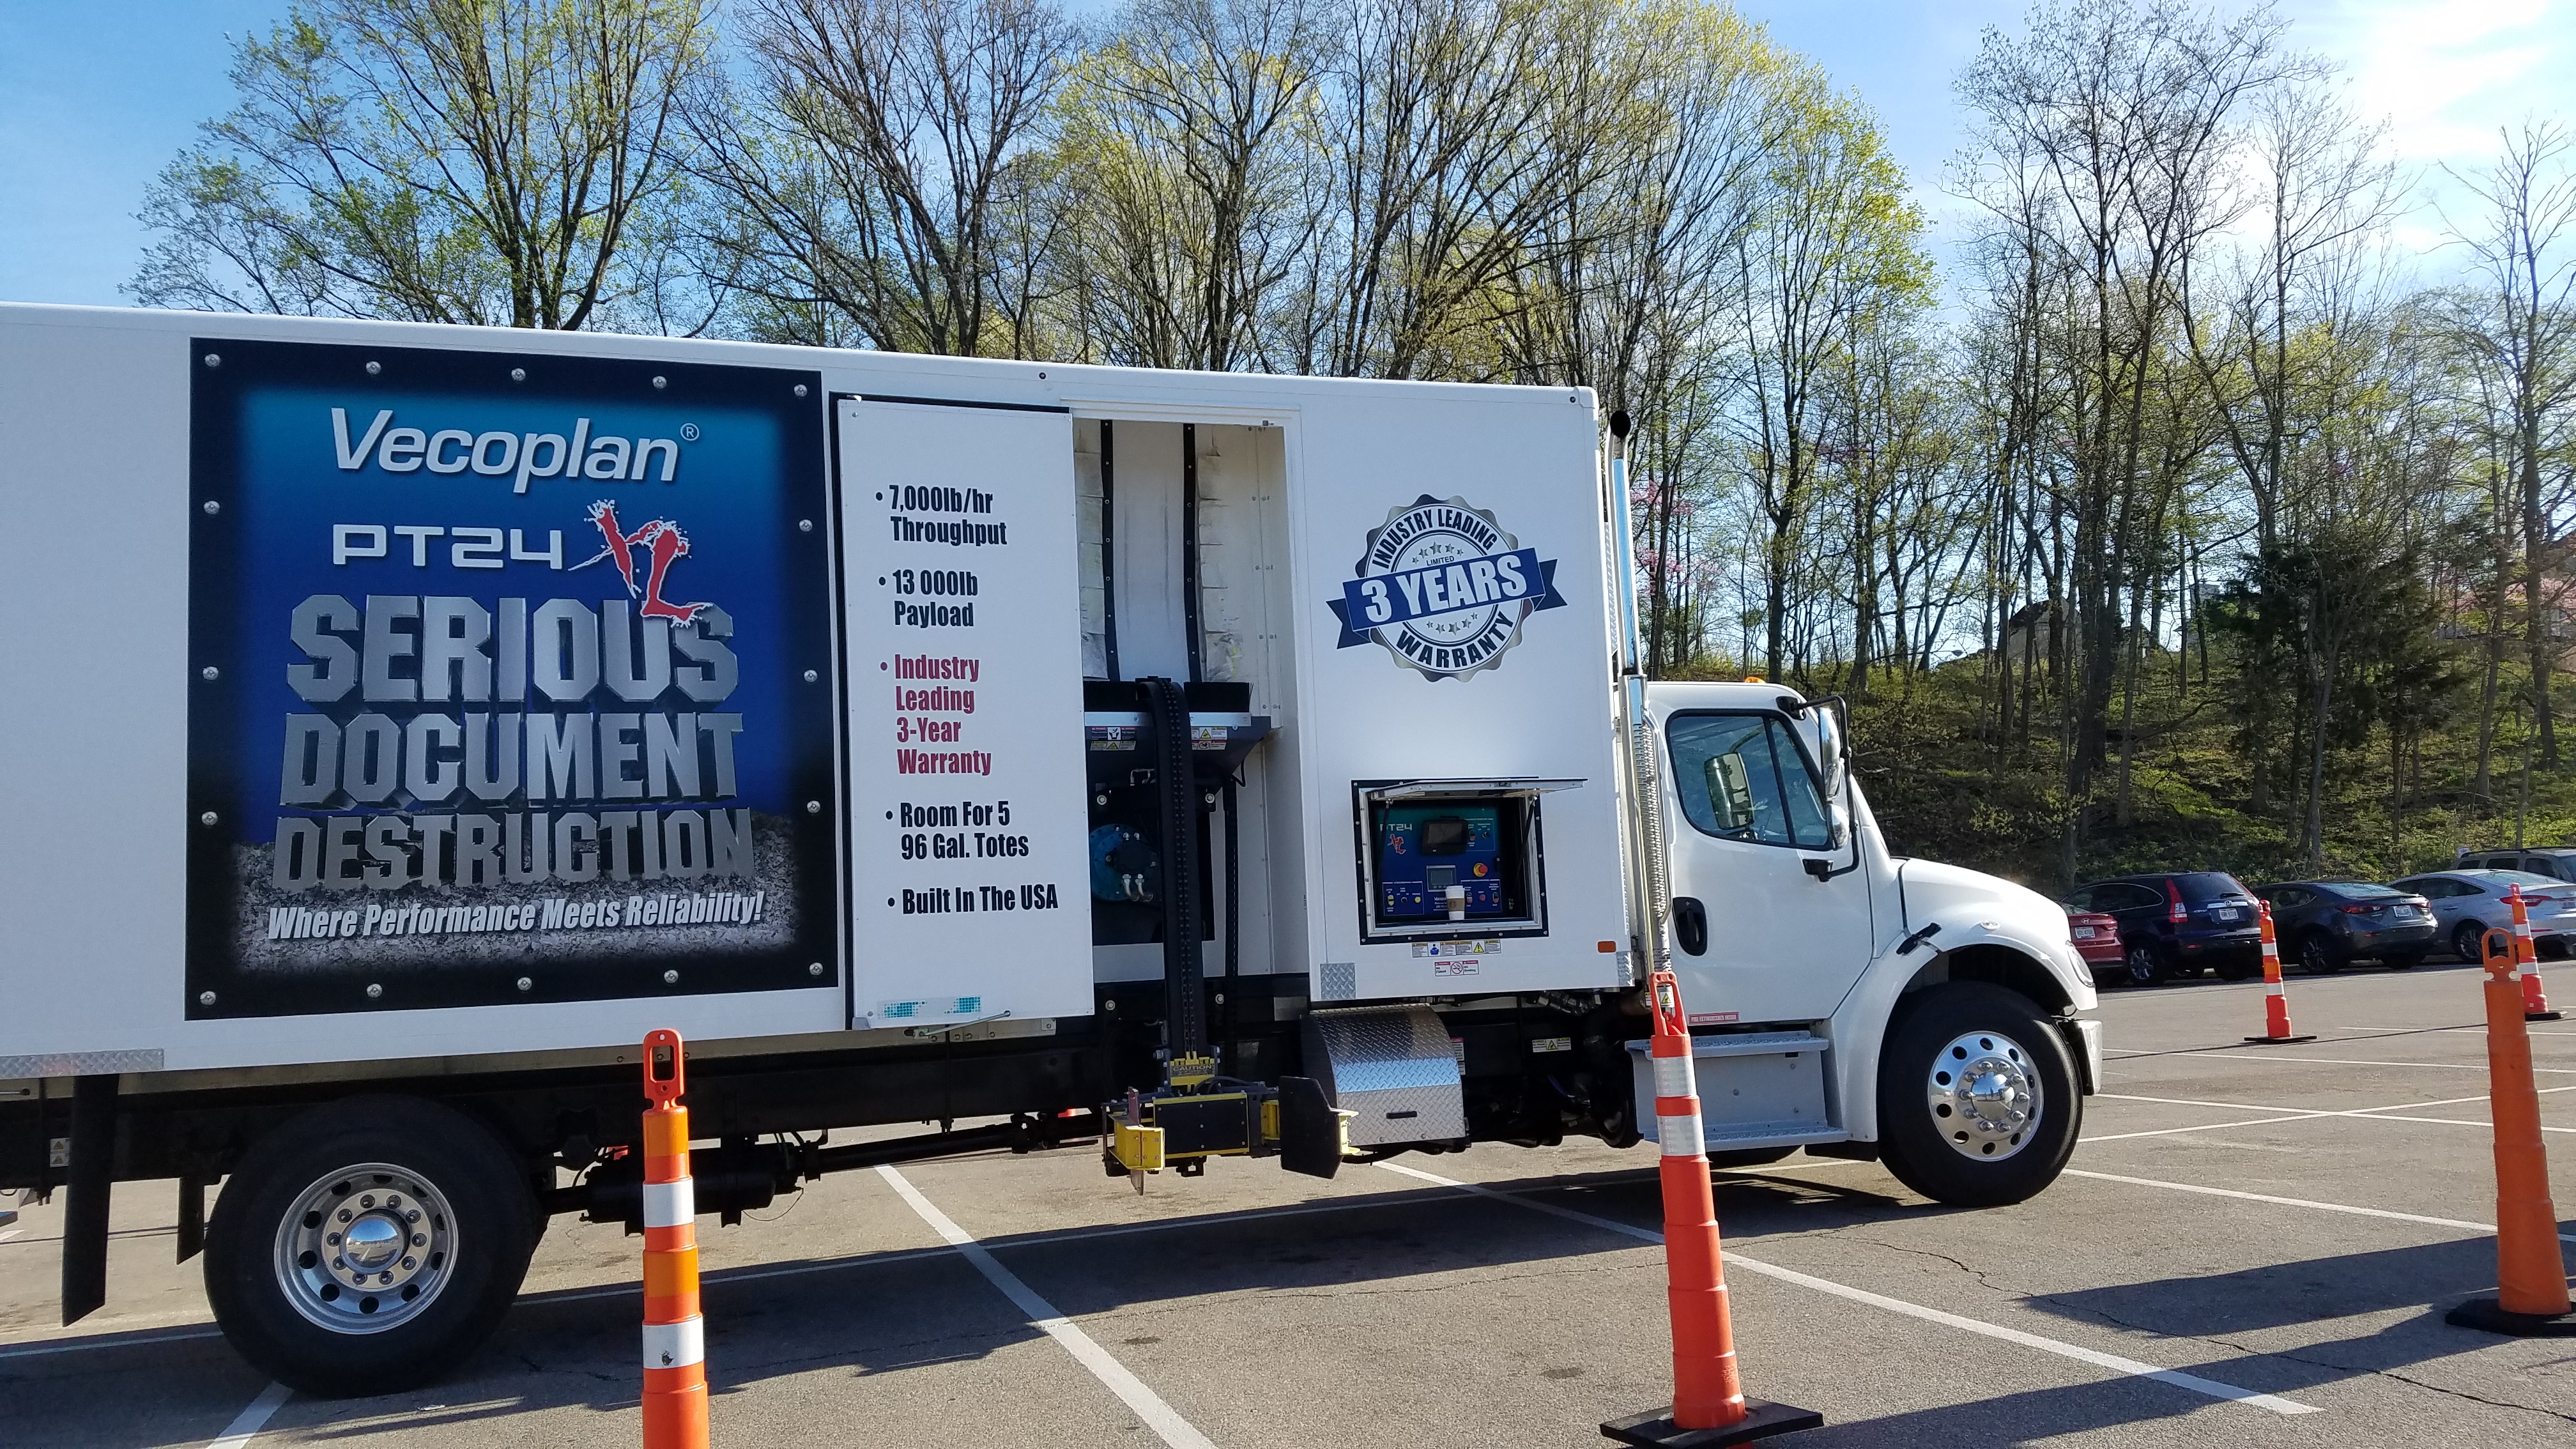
(1678, 1134)
(1674, 1078)
(675, 1345)
(669, 1204)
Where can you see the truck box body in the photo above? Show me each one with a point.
(594, 684)
(406, 720)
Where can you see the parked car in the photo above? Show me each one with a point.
(2097, 940)
(2468, 903)
(2325, 925)
(2558, 862)
(2178, 923)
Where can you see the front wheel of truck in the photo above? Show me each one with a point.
(368, 1246)
(1977, 1098)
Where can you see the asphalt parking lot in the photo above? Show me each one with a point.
(2255, 1246)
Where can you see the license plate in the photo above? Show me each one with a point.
(2084, 933)
(2225, 913)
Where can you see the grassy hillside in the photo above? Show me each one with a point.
(1943, 789)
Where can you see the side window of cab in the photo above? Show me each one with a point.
(1744, 777)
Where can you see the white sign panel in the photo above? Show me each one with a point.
(964, 632)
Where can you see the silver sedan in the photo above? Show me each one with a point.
(2469, 903)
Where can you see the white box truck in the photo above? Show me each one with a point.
(406, 719)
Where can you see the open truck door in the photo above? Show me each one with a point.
(964, 662)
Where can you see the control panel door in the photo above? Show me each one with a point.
(1759, 873)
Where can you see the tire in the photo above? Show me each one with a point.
(2468, 941)
(2320, 956)
(1959, 1147)
(2145, 965)
(313, 1324)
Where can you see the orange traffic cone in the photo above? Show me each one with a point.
(2531, 1273)
(2526, 960)
(2276, 999)
(675, 1371)
(1709, 1407)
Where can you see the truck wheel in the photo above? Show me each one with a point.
(1977, 1103)
(368, 1246)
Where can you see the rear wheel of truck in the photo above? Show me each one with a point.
(368, 1246)
(1977, 1102)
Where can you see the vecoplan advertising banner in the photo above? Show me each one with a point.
(513, 680)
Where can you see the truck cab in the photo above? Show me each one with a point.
(1874, 1005)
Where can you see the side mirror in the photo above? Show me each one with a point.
(1839, 818)
(1829, 748)
(1730, 793)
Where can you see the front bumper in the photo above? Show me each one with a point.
(2084, 1039)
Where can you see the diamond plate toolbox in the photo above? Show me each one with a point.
(1392, 1067)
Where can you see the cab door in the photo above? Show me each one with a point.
(1769, 922)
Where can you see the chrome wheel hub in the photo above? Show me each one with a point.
(1984, 1096)
(365, 1248)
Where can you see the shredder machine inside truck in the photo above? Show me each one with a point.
(407, 719)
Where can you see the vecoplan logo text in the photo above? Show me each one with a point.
(501, 455)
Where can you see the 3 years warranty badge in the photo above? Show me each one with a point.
(1443, 588)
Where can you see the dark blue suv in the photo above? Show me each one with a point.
(2179, 924)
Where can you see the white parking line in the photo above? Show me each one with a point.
(1143, 1402)
(2204, 1127)
(2295, 1114)
(2300, 1202)
(2113, 1362)
(253, 1417)
(91, 1343)
(2268, 1054)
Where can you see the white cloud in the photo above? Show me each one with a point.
(2447, 74)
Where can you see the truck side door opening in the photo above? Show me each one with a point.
(1173, 545)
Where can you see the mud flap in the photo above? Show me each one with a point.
(1312, 1136)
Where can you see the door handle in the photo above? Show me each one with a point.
(1690, 925)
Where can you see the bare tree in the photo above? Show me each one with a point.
(432, 160)
(2105, 132)
(2525, 246)
(1188, 130)
(877, 164)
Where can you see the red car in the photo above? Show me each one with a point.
(2096, 937)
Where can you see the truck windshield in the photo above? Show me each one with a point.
(1743, 777)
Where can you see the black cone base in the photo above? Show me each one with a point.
(2544, 1016)
(2278, 1040)
(2488, 1314)
(1761, 1421)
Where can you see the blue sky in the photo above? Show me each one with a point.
(95, 97)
